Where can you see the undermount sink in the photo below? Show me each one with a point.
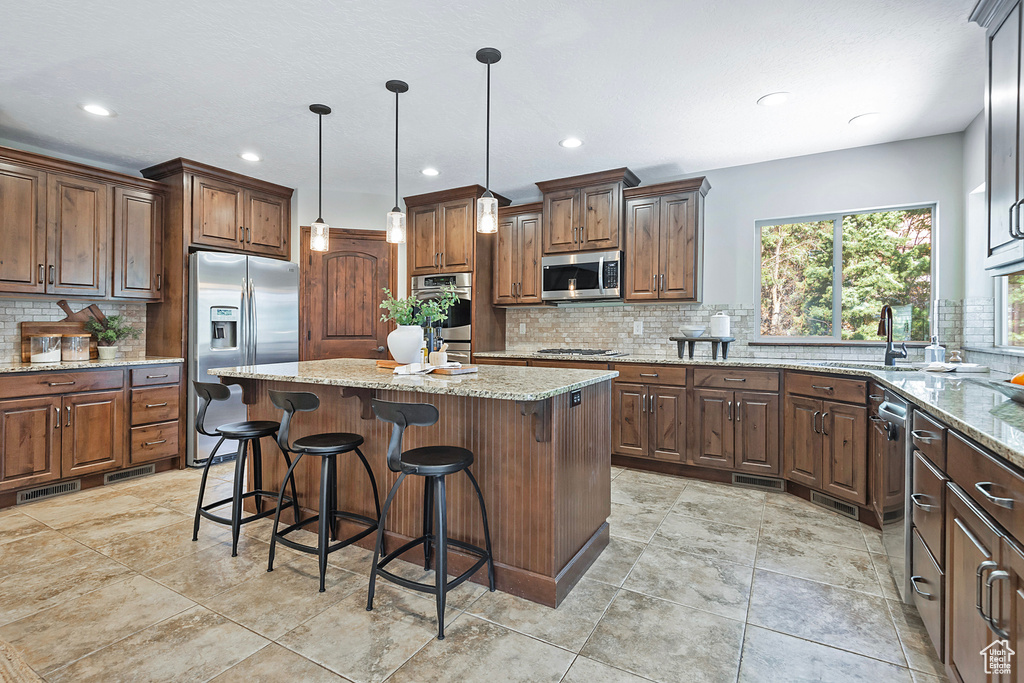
(861, 365)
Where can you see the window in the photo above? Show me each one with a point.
(1011, 299)
(827, 277)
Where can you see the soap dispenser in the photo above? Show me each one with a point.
(933, 353)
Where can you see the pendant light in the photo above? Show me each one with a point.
(395, 232)
(487, 205)
(319, 231)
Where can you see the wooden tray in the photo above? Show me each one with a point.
(388, 364)
(29, 329)
(464, 370)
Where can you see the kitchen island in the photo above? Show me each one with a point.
(542, 444)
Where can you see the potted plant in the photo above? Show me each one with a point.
(109, 332)
(411, 316)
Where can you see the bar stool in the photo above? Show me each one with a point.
(246, 433)
(327, 447)
(434, 463)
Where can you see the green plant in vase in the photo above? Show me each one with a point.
(411, 316)
(109, 332)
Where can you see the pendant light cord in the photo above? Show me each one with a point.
(320, 169)
(396, 150)
(487, 174)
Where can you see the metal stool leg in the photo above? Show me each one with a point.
(376, 495)
(257, 473)
(202, 489)
(236, 501)
(325, 516)
(332, 479)
(295, 494)
(380, 540)
(487, 531)
(280, 498)
(441, 573)
(428, 522)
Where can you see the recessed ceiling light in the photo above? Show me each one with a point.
(774, 99)
(250, 156)
(97, 110)
(430, 171)
(865, 119)
(571, 142)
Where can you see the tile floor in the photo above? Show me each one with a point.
(701, 582)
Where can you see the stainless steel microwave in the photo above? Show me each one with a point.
(581, 276)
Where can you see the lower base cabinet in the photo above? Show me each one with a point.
(649, 421)
(736, 430)
(29, 442)
(827, 447)
(92, 433)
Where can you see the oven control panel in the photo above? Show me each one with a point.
(611, 275)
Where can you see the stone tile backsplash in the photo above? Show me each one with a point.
(14, 311)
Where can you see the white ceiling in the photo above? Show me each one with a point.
(667, 87)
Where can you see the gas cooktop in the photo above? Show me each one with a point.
(581, 352)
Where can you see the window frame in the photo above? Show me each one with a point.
(835, 339)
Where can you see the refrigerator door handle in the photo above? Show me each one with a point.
(252, 321)
(243, 341)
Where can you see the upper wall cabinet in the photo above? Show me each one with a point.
(517, 270)
(227, 211)
(584, 213)
(73, 230)
(664, 241)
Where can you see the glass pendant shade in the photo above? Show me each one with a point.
(319, 235)
(396, 227)
(487, 214)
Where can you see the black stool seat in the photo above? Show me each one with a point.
(327, 444)
(436, 461)
(248, 429)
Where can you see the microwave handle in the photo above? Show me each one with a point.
(600, 273)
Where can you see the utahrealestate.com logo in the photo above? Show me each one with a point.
(998, 658)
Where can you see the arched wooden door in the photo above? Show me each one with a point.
(340, 292)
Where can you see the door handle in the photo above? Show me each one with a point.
(923, 435)
(440, 260)
(643, 403)
(241, 230)
(68, 408)
(983, 488)
(56, 423)
(51, 270)
(248, 235)
(1013, 233)
(41, 273)
(738, 411)
(252, 318)
(914, 498)
(728, 411)
(913, 582)
(814, 421)
(993, 623)
(980, 573)
(380, 349)
(663, 282)
(823, 416)
(875, 398)
(159, 281)
(653, 404)
(654, 286)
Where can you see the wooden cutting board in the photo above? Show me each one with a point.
(464, 370)
(62, 327)
(388, 364)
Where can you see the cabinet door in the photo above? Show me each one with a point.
(1012, 613)
(93, 433)
(802, 451)
(422, 250)
(602, 216)
(458, 235)
(643, 221)
(561, 221)
(138, 237)
(506, 261)
(78, 235)
(29, 442)
(529, 258)
(972, 546)
(845, 453)
(713, 440)
(757, 432)
(218, 213)
(1003, 104)
(22, 229)
(629, 419)
(679, 248)
(667, 419)
(267, 224)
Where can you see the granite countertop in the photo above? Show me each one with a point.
(492, 381)
(964, 402)
(86, 364)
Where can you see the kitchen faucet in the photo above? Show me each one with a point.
(885, 328)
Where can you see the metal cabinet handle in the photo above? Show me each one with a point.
(663, 282)
(728, 410)
(248, 234)
(1016, 211)
(156, 405)
(993, 623)
(875, 418)
(653, 405)
(913, 582)
(159, 281)
(814, 421)
(241, 229)
(655, 285)
(153, 443)
(56, 423)
(828, 389)
(156, 376)
(875, 398)
(735, 379)
(61, 384)
(68, 408)
(983, 488)
(51, 278)
(41, 273)
(738, 411)
(440, 259)
(918, 504)
(643, 403)
(923, 435)
(980, 573)
(648, 374)
(1013, 233)
(823, 416)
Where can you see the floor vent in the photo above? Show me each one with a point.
(845, 509)
(754, 481)
(133, 473)
(49, 491)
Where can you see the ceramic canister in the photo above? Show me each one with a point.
(720, 324)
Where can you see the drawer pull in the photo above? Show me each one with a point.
(648, 374)
(820, 388)
(923, 435)
(913, 582)
(875, 398)
(155, 376)
(61, 384)
(918, 504)
(875, 418)
(735, 379)
(153, 443)
(993, 622)
(983, 489)
(156, 405)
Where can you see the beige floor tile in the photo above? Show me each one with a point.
(194, 645)
(706, 583)
(276, 664)
(873, 539)
(110, 527)
(568, 626)
(585, 670)
(477, 650)
(202, 575)
(831, 564)
(917, 646)
(629, 490)
(160, 546)
(885, 579)
(828, 615)
(921, 677)
(462, 597)
(715, 502)
(655, 479)
(634, 522)
(770, 656)
(185, 501)
(353, 558)
(33, 590)
(713, 539)
(363, 646)
(41, 549)
(83, 506)
(615, 561)
(276, 602)
(666, 642)
(17, 525)
(799, 520)
(58, 636)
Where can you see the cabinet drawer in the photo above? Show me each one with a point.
(651, 374)
(157, 404)
(156, 374)
(568, 364)
(929, 505)
(928, 591)
(742, 380)
(930, 438)
(516, 362)
(831, 388)
(990, 483)
(154, 442)
(49, 383)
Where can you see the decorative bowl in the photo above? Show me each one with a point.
(694, 331)
(1008, 388)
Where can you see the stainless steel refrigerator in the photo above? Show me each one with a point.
(244, 310)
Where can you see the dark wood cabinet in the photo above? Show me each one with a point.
(802, 456)
(584, 213)
(667, 418)
(643, 236)
(442, 232)
(629, 432)
(458, 235)
(78, 234)
(138, 241)
(929, 587)
(217, 209)
(713, 426)
(29, 441)
(649, 421)
(1013, 603)
(844, 455)
(422, 249)
(267, 223)
(92, 433)
(736, 430)
(22, 229)
(517, 271)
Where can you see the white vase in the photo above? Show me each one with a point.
(405, 343)
(107, 352)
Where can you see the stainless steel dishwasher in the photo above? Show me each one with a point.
(896, 472)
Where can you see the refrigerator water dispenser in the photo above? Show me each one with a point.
(223, 327)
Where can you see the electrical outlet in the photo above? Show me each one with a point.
(638, 327)
(522, 328)
(575, 398)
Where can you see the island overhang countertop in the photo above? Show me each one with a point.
(491, 381)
